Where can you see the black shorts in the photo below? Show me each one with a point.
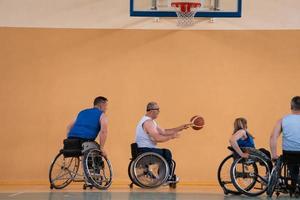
(291, 157)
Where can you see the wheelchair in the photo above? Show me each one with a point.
(95, 170)
(149, 170)
(237, 175)
(280, 179)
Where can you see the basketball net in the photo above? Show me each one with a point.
(185, 12)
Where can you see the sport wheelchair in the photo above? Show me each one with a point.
(149, 170)
(280, 179)
(237, 175)
(96, 170)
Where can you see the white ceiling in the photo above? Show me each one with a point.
(257, 14)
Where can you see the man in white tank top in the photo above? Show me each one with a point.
(148, 134)
(289, 126)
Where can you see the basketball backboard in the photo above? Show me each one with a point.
(163, 8)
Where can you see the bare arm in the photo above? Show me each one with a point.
(273, 139)
(104, 130)
(152, 130)
(172, 131)
(233, 141)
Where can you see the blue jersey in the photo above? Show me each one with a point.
(87, 124)
(248, 142)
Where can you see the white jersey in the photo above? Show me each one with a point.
(142, 138)
(291, 133)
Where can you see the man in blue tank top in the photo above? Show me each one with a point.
(90, 123)
(289, 126)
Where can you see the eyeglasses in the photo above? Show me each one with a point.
(153, 109)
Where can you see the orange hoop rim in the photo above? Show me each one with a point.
(185, 6)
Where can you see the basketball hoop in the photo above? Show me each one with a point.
(185, 12)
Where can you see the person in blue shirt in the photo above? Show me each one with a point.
(90, 123)
(242, 139)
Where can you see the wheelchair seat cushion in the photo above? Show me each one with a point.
(72, 147)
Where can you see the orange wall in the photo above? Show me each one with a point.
(48, 75)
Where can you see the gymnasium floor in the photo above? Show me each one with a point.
(119, 193)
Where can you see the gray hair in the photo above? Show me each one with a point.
(151, 105)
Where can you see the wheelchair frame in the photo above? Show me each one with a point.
(136, 156)
(279, 179)
(237, 189)
(80, 157)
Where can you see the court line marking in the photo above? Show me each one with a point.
(15, 194)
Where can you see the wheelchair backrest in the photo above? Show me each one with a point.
(72, 148)
(134, 150)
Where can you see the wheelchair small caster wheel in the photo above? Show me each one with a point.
(172, 185)
(51, 187)
(277, 194)
(131, 185)
(84, 187)
(91, 187)
(225, 191)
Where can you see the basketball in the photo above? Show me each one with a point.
(198, 122)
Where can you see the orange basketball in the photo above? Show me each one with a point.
(198, 122)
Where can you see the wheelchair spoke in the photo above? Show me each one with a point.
(60, 179)
(59, 176)
(265, 180)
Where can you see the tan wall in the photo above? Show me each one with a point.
(48, 75)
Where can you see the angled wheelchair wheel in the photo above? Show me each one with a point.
(63, 170)
(274, 178)
(149, 170)
(130, 174)
(224, 176)
(97, 169)
(250, 176)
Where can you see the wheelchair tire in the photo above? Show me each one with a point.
(68, 180)
(274, 178)
(91, 174)
(223, 183)
(138, 164)
(130, 172)
(247, 190)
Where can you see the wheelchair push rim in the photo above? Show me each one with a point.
(63, 171)
(97, 169)
(150, 170)
(250, 176)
